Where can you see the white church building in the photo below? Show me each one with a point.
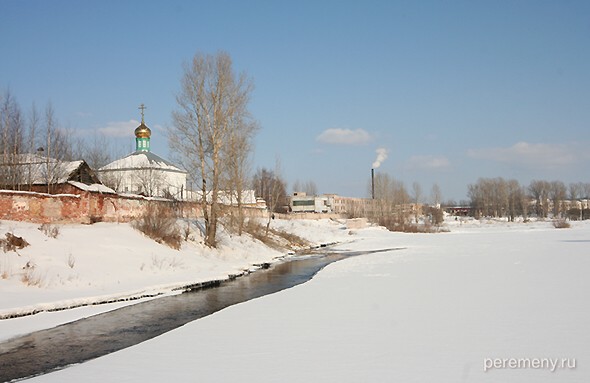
(143, 172)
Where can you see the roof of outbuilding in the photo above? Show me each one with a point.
(36, 169)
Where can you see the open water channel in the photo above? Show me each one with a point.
(47, 350)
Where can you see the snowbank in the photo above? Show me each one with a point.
(437, 311)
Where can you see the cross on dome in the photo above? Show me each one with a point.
(142, 107)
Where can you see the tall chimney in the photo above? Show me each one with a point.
(373, 183)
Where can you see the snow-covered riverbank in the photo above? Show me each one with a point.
(90, 264)
(440, 310)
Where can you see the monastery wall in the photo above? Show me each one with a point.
(40, 208)
(80, 207)
(74, 205)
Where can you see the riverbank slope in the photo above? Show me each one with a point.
(85, 265)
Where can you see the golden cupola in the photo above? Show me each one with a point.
(142, 131)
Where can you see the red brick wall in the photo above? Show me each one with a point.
(78, 207)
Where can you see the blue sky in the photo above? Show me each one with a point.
(452, 90)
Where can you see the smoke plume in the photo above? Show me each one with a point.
(381, 156)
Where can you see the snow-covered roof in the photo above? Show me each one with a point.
(141, 160)
(93, 188)
(38, 170)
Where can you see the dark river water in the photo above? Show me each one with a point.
(89, 338)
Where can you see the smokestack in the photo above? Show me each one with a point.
(373, 183)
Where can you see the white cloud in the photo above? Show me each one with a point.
(531, 155)
(428, 163)
(339, 136)
(120, 128)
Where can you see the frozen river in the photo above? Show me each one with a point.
(105, 333)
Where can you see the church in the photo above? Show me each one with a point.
(143, 172)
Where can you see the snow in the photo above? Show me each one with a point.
(104, 262)
(436, 311)
(141, 160)
(99, 188)
(38, 193)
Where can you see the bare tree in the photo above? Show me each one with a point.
(557, 194)
(390, 207)
(11, 141)
(308, 187)
(19, 135)
(34, 121)
(212, 102)
(540, 192)
(97, 152)
(277, 193)
(525, 201)
(500, 197)
(56, 149)
(417, 196)
(151, 182)
(575, 190)
(237, 151)
(382, 185)
(494, 197)
(113, 179)
(436, 195)
(514, 192)
(269, 185)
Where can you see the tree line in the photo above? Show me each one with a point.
(394, 206)
(34, 137)
(497, 197)
(24, 134)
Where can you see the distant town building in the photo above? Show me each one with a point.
(300, 202)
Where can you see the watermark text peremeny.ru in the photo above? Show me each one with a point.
(551, 364)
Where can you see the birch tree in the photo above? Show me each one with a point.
(11, 140)
(212, 106)
(57, 150)
(241, 128)
(34, 121)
